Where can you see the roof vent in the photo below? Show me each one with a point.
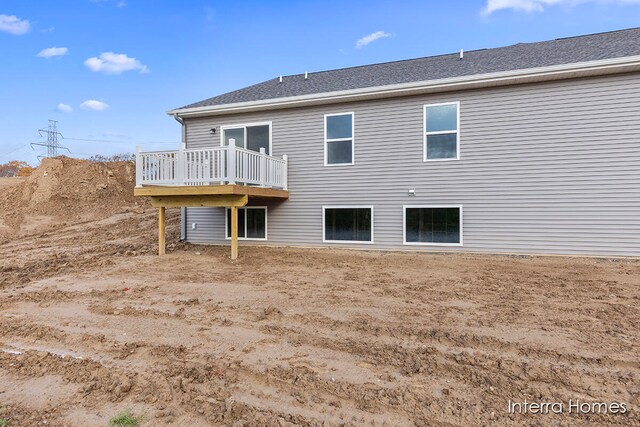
(306, 75)
(280, 79)
(461, 53)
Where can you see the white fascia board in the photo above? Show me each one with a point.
(503, 78)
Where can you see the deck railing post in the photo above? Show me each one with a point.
(285, 172)
(231, 161)
(263, 167)
(138, 167)
(179, 167)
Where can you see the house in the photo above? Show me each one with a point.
(530, 148)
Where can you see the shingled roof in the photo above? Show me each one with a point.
(615, 44)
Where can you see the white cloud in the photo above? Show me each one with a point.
(119, 4)
(64, 108)
(50, 52)
(529, 6)
(362, 42)
(92, 104)
(115, 63)
(13, 25)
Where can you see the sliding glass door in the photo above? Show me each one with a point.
(252, 137)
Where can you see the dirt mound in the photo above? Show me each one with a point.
(63, 191)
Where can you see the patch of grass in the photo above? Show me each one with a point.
(124, 419)
(4, 422)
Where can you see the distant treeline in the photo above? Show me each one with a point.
(15, 168)
(120, 157)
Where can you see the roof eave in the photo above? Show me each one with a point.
(529, 75)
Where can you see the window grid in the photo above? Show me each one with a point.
(428, 133)
(328, 141)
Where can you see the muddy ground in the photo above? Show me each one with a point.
(93, 323)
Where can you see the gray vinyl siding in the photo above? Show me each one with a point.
(544, 168)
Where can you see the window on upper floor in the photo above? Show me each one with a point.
(442, 131)
(338, 139)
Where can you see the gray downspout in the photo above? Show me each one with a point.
(183, 211)
(183, 224)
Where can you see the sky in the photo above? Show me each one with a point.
(108, 70)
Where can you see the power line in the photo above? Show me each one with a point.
(53, 145)
(52, 140)
(14, 150)
(83, 154)
(123, 142)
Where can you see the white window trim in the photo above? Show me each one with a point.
(352, 139)
(404, 225)
(369, 242)
(425, 132)
(266, 223)
(245, 125)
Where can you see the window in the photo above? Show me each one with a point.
(252, 223)
(252, 136)
(433, 225)
(441, 131)
(347, 224)
(338, 139)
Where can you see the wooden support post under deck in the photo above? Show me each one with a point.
(231, 196)
(234, 232)
(161, 227)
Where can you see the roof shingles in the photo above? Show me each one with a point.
(615, 44)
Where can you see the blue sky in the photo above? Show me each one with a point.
(120, 64)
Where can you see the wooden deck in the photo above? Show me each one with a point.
(229, 195)
(210, 190)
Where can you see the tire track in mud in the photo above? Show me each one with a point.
(180, 380)
(413, 351)
(77, 248)
(298, 381)
(370, 329)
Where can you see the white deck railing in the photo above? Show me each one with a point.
(211, 166)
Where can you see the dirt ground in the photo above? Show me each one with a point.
(92, 323)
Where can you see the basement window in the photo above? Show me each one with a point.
(252, 223)
(347, 224)
(433, 225)
(441, 131)
(338, 139)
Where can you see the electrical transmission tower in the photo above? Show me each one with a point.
(52, 140)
